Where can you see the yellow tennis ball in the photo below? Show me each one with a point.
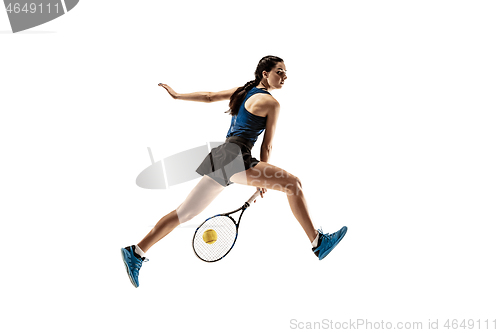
(209, 236)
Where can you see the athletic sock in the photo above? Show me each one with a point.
(139, 251)
(314, 243)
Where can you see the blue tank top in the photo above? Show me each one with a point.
(245, 124)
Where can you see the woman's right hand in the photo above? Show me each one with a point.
(169, 90)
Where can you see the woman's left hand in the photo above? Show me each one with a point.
(169, 90)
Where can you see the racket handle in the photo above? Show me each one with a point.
(252, 198)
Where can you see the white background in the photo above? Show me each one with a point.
(389, 116)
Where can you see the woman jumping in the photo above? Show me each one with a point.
(253, 110)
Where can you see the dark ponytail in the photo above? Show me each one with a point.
(265, 64)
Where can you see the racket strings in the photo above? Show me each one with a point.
(226, 236)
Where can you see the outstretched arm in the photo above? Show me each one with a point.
(206, 97)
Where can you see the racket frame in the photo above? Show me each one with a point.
(237, 224)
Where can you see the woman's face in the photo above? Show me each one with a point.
(277, 76)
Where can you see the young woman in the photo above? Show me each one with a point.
(253, 110)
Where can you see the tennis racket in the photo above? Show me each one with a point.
(215, 237)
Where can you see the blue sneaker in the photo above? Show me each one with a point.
(133, 263)
(327, 242)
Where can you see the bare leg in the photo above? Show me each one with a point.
(199, 198)
(166, 224)
(271, 177)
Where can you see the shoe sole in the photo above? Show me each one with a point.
(128, 269)
(341, 237)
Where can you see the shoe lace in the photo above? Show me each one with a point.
(138, 263)
(327, 238)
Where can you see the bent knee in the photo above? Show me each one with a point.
(293, 186)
